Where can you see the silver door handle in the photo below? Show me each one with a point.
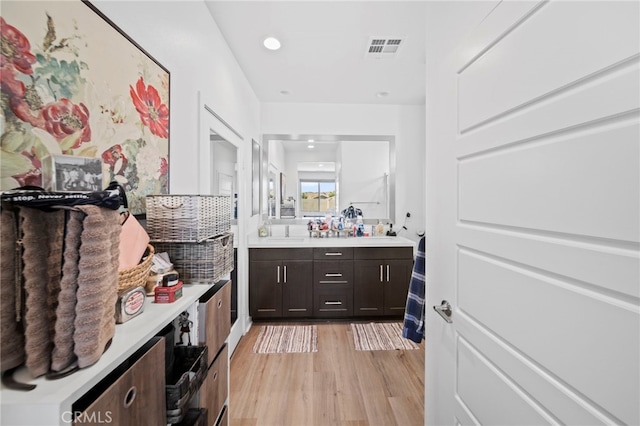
(278, 275)
(285, 274)
(387, 273)
(337, 253)
(444, 310)
(381, 273)
(332, 275)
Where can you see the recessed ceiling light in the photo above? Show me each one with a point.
(271, 43)
(310, 146)
(310, 141)
(320, 165)
(382, 94)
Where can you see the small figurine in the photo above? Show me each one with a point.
(185, 327)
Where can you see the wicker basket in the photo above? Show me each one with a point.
(208, 260)
(136, 276)
(187, 218)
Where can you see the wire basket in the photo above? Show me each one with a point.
(187, 218)
(208, 260)
(136, 276)
(189, 371)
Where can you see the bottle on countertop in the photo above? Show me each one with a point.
(263, 231)
(379, 228)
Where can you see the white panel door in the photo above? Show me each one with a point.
(533, 212)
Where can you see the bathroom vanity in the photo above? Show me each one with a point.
(303, 277)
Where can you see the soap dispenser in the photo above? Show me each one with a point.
(379, 228)
(263, 230)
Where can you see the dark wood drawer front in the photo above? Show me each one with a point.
(137, 397)
(383, 253)
(332, 272)
(333, 253)
(333, 301)
(281, 254)
(213, 392)
(215, 320)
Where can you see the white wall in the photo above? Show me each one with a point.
(406, 123)
(362, 177)
(185, 39)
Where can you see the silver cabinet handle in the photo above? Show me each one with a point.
(380, 273)
(337, 253)
(332, 303)
(332, 275)
(285, 274)
(278, 274)
(387, 273)
(444, 310)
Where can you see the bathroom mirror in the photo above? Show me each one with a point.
(328, 173)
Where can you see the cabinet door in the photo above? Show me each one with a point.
(368, 287)
(136, 398)
(215, 317)
(396, 286)
(214, 389)
(265, 289)
(297, 287)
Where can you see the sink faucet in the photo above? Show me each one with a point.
(286, 231)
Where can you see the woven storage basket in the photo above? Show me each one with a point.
(208, 260)
(189, 371)
(187, 218)
(136, 276)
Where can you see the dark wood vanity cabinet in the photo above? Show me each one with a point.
(381, 280)
(333, 282)
(329, 282)
(280, 283)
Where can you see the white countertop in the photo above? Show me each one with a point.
(50, 401)
(297, 241)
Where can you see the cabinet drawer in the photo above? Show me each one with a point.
(136, 397)
(214, 318)
(332, 253)
(213, 392)
(332, 272)
(280, 254)
(333, 300)
(383, 253)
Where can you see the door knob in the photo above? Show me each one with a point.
(444, 310)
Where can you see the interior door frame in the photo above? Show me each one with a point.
(209, 121)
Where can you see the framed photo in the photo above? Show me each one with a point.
(75, 85)
(69, 173)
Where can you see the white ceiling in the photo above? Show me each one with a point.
(324, 44)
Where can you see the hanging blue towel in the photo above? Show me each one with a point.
(413, 328)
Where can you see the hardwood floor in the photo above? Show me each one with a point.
(335, 386)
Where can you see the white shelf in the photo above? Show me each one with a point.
(50, 402)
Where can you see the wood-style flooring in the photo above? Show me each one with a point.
(335, 386)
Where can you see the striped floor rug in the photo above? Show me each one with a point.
(382, 336)
(282, 339)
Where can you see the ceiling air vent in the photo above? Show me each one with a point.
(380, 47)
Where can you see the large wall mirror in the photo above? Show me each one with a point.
(314, 175)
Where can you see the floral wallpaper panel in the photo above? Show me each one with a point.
(72, 84)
